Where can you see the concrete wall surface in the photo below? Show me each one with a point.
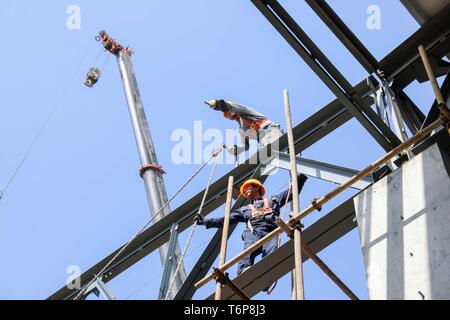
(404, 227)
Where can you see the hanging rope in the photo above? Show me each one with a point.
(105, 63)
(180, 262)
(98, 55)
(45, 124)
(142, 229)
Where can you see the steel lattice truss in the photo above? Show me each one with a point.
(402, 66)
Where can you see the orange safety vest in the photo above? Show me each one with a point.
(259, 212)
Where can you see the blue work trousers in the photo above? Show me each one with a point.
(249, 239)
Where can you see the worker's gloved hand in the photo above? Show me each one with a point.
(235, 149)
(211, 103)
(232, 150)
(218, 150)
(198, 219)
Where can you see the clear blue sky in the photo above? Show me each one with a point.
(78, 197)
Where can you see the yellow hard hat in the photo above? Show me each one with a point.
(254, 182)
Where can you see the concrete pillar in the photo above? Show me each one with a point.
(404, 226)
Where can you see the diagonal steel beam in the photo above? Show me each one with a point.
(345, 35)
(327, 72)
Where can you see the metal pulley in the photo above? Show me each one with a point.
(92, 77)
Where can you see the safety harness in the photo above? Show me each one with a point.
(258, 212)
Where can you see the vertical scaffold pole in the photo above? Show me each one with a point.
(437, 92)
(299, 289)
(226, 224)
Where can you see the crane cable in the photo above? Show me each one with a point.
(105, 63)
(82, 290)
(45, 124)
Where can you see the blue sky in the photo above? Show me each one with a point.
(78, 196)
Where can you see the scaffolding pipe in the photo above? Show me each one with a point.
(299, 287)
(319, 262)
(328, 272)
(430, 73)
(319, 202)
(226, 224)
(437, 92)
(223, 278)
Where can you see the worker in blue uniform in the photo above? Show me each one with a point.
(260, 216)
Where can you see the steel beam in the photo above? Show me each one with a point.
(421, 10)
(344, 34)
(327, 72)
(321, 170)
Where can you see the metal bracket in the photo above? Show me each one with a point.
(98, 287)
(169, 263)
(151, 166)
(320, 170)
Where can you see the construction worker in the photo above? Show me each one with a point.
(252, 124)
(260, 216)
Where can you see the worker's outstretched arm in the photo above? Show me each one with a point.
(281, 197)
(222, 105)
(235, 217)
(240, 110)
